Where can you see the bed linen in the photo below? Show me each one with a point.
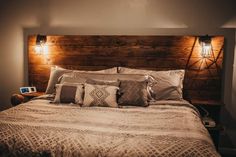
(38, 128)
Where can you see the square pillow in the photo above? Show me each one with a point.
(167, 86)
(69, 93)
(100, 95)
(133, 93)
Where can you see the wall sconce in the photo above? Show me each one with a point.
(205, 42)
(41, 47)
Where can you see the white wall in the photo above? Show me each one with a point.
(139, 17)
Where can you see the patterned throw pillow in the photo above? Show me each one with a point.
(69, 93)
(100, 95)
(133, 93)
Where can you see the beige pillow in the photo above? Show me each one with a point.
(69, 93)
(100, 82)
(100, 95)
(57, 72)
(166, 85)
(80, 77)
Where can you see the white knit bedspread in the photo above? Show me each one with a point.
(38, 128)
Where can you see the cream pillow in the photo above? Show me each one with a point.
(55, 73)
(100, 95)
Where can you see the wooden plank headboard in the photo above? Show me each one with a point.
(203, 75)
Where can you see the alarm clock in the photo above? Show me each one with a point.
(27, 90)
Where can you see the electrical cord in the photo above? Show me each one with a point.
(205, 111)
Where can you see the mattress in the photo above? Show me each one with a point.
(164, 129)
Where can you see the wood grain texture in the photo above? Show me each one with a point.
(203, 75)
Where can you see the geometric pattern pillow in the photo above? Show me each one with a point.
(69, 93)
(133, 93)
(100, 95)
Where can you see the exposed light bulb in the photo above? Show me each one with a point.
(206, 50)
(38, 49)
(45, 49)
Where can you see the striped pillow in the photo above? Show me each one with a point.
(69, 93)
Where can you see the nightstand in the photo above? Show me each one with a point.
(17, 99)
(215, 133)
(213, 108)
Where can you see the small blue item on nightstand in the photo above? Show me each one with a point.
(27, 90)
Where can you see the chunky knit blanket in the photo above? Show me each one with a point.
(38, 128)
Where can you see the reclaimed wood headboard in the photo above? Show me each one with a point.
(203, 75)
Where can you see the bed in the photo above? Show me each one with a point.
(166, 128)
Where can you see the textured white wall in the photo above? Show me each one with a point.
(124, 17)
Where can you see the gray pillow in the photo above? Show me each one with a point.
(69, 93)
(133, 93)
(100, 95)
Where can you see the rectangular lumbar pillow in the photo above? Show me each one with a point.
(69, 93)
(102, 82)
(100, 95)
(133, 93)
(57, 72)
